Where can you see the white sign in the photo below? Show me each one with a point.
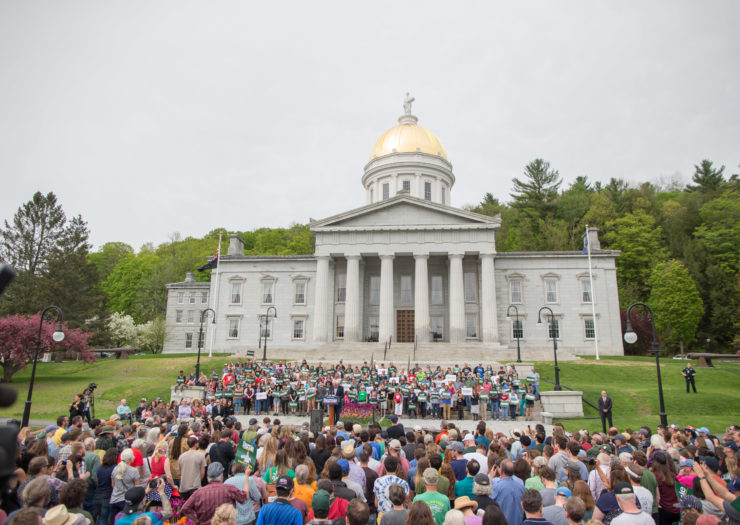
(467, 391)
(450, 378)
(261, 395)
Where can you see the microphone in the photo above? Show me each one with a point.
(7, 274)
(7, 396)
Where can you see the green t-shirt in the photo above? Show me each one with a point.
(650, 482)
(443, 485)
(438, 504)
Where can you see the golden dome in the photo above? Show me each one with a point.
(408, 137)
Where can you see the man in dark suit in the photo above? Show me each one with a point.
(605, 410)
(338, 390)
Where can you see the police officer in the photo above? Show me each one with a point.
(689, 374)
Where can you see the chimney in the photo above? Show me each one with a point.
(236, 245)
(593, 239)
(189, 277)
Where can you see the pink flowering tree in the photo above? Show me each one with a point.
(18, 342)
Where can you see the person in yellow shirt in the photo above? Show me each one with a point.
(62, 423)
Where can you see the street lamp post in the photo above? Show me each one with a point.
(203, 317)
(515, 331)
(630, 337)
(554, 343)
(58, 337)
(267, 324)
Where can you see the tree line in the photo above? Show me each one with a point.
(680, 253)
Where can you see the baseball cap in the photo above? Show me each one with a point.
(395, 444)
(482, 479)
(710, 462)
(134, 496)
(321, 500)
(430, 476)
(417, 428)
(730, 444)
(50, 428)
(215, 469)
(573, 466)
(687, 463)
(705, 430)
(455, 445)
(394, 419)
(621, 438)
(623, 487)
(284, 483)
(345, 466)
(563, 491)
(468, 437)
(734, 485)
(253, 421)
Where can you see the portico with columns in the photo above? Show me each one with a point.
(406, 268)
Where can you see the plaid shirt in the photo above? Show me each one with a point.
(205, 500)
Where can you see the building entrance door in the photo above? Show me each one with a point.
(405, 326)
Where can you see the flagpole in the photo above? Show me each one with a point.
(215, 299)
(593, 297)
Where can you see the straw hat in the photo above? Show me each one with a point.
(59, 515)
(464, 502)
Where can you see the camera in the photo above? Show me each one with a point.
(92, 386)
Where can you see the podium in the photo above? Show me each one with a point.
(331, 402)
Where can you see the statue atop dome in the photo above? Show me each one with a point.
(407, 101)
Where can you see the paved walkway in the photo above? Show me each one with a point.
(428, 424)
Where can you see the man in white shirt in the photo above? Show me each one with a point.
(631, 515)
(643, 495)
(480, 456)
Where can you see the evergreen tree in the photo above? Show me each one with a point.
(706, 177)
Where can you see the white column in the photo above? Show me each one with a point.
(421, 299)
(386, 320)
(321, 302)
(489, 323)
(352, 300)
(457, 299)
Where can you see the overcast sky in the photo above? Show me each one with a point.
(155, 117)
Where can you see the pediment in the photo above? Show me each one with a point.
(405, 211)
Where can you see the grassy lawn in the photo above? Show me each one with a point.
(630, 381)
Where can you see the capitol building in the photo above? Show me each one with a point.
(406, 268)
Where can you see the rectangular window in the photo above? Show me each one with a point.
(178, 316)
(406, 296)
(374, 328)
(203, 297)
(300, 292)
(437, 293)
(298, 328)
(233, 328)
(341, 287)
(340, 327)
(428, 191)
(180, 297)
(374, 290)
(517, 329)
(189, 340)
(470, 287)
(267, 292)
(266, 327)
(192, 297)
(554, 329)
(191, 316)
(406, 185)
(236, 293)
(438, 328)
(585, 290)
(386, 190)
(471, 326)
(551, 290)
(443, 196)
(515, 292)
(588, 325)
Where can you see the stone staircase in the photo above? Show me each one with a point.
(426, 353)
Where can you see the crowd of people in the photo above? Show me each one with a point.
(153, 467)
(453, 392)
